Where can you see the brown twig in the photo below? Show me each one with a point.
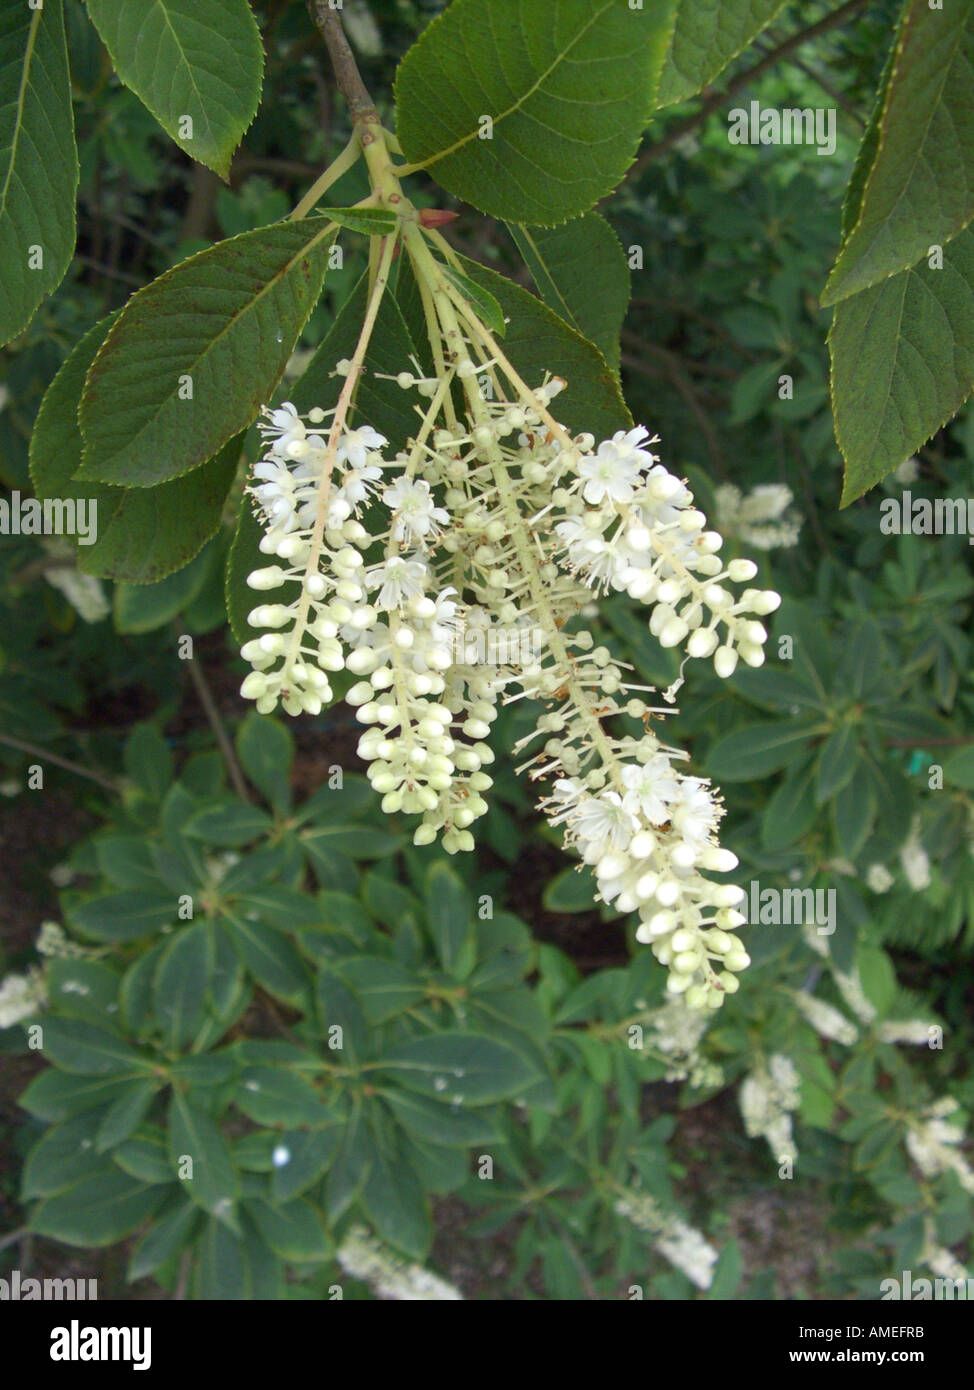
(216, 724)
(718, 99)
(347, 75)
(37, 752)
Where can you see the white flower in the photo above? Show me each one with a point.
(693, 812)
(685, 1248)
(285, 428)
(416, 514)
(358, 484)
(83, 591)
(397, 579)
(879, 878)
(914, 860)
(650, 789)
(281, 1156)
(21, 996)
(355, 445)
(613, 471)
(603, 823)
(362, 1256)
(766, 1096)
(826, 1020)
(905, 1031)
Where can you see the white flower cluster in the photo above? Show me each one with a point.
(763, 518)
(914, 860)
(827, 1021)
(685, 1248)
(21, 996)
(766, 1097)
(365, 1258)
(933, 1142)
(501, 525)
(53, 941)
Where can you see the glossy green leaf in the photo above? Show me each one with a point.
(195, 354)
(77, 1046)
(197, 65)
(98, 1210)
(463, 1068)
(38, 160)
(179, 988)
(212, 1183)
(168, 1234)
(706, 35)
(266, 751)
(143, 534)
(920, 188)
(538, 341)
(902, 363)
(293, 1230)
(124, 916)
(581, 272)
(509, 106)
(755, 751)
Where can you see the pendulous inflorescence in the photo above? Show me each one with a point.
(452, 576)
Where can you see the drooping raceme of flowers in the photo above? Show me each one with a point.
(450, 576)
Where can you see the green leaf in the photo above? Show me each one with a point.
(449, 910)
(434, 1122)
(383, 404)
(393, 1194)
(309, 1153)
(485, 304)
(165, 1237)
(562, 132)
(370, 221)
(99, 1210)
(878, 977)
(179, 988)
(222, 324)
(245, 556)
(279, 1096)
(62, 1156)
(270, 958)
(123, 916)
(125, 1114)
(148, 761)
(213, 1184)
(755, 751)
(196, 59)
(266, 752)
(231, 823)
(571, 890)
(142, 608)
(339, 1007)
(145, 1156)
(83, 989)
(920, 188)
(852, 812)
(384, 987)
(902, 363)
(142, 534)
(837, 761)
(38, 161)
(959, 768)
(581, 272)
(538, 341)
(294, 1231)
(56, 1095)
(791, 810)
(706, 35)
(463, 1068)
(77, 1046)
